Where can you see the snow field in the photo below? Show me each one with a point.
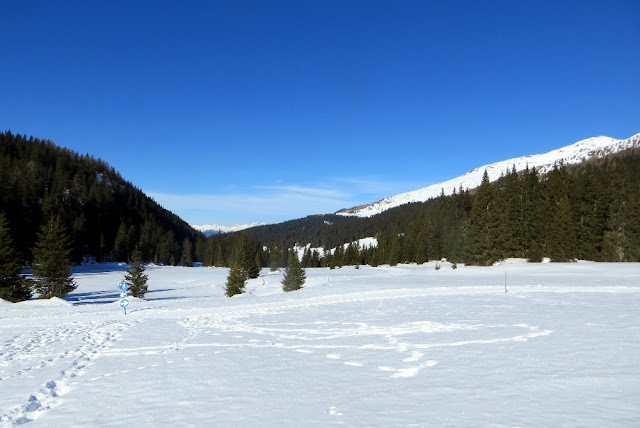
(385, 346)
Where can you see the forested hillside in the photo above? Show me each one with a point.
(589, 211)
(105, 216)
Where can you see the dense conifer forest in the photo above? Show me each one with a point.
(589, 211)
(105, 217)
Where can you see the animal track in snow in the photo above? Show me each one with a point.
(63, 351)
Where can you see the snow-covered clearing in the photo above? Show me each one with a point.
(385, 346)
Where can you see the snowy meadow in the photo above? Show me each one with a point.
(387, 346)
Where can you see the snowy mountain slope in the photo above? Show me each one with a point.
(212, 229)
(581, 151)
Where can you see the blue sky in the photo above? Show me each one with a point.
(263, 111)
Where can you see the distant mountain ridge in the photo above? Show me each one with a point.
(212, 229)
(595, 147)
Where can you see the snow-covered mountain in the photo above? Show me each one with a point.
(212, 229)
(595, 147)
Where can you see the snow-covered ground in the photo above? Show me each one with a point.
(382, 347)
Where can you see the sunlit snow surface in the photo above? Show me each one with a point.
(387, 346)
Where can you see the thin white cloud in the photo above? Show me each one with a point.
(276, 203)
(272, 206)
(376, 186)
(310, 191)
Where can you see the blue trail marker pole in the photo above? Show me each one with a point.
(123, 295)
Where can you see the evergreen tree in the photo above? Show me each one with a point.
(51, 266)
(315, 259)
(294, 274)
(352, 254)
(484, 226)
(532, 215)
(374, 258)
(561, 242)
(236, 280)
(12, 286)
(339, 255)
(621, 239)
(121, 245)
(275, 255)
(245, 251)
(135, 277)
(258, 263)
(590, 211)
(187, 253)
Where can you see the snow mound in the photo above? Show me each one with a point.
(512, 261)
(52, 302)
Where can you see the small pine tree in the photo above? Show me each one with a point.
(236, 280)
(51, 266)
(135, 277)
(294, 274)
(12, 287)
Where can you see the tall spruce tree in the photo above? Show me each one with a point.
(12, 286)
(51, 266)
(294, 274)
(275, 256)
(236, 280)
(187, 253)
(561, 240)
(135, 277)
(484, 226)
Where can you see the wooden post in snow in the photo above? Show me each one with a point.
(505, 283)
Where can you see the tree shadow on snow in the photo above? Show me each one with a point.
(95, 297)
(99, 268)
(106, 297)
